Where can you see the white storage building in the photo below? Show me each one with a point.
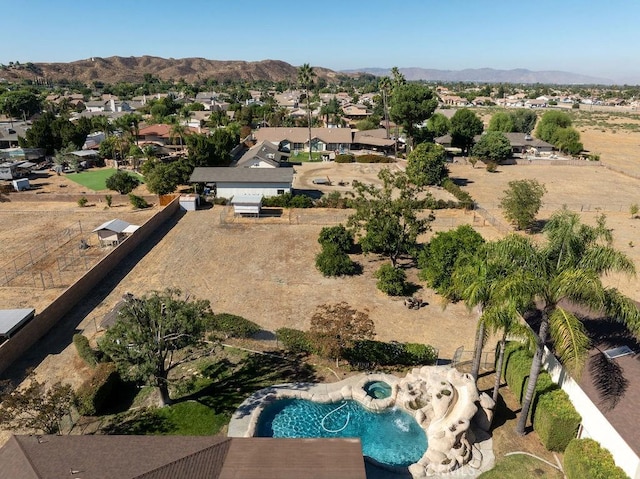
(231, 182)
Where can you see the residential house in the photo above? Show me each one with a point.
(535, 103)
(263, 154)
(522, 143)
(10, 131)
(159, 134)
(453, 100)
(180, 457)
(355, 113)
(229, 182)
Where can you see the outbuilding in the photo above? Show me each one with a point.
(11, 320)
(189, 202)
(21, 184)
(114, 232)
(247, 205)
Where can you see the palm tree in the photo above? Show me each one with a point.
(385, 88)
(397, 79)
(305, 80)
(568, 267)
(178, 131)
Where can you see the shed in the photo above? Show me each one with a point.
(189, 202)
(229, 182)
(21, 184)
(113, 232)
(11, 320)
(247, 204)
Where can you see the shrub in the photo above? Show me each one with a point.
(288, 200)
(301, 201)
(332, 261)
(138, 202)
(369, 158)
(586, 459)
(333, 200)
(392, 281)
(94, 394)
(294, 340)
(86, 353)
(108, 200)
(337, 235)
(220, 201)
(391, 354)
(464, 198)
(122, 182)
(555, 420)
(345, 158)
(233, 326)
(82, 202)
(492, 166)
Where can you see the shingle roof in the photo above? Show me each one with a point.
(301, 135)
(180, 457)
(241, 175)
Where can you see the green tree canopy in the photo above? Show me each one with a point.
(523, 120)
(387, 217)
(442, 254)
(155, 334)
(550, 122)
(214, 150)
(426, 164)
(337, 235)
(502, 122)
(122, 182)
(19, 103)
(411, 104)
(438, 125)
(492, 146)
(522, 201)
(465, 125)
(161, 178)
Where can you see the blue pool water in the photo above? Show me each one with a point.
(391, 437)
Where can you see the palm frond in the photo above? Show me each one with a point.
(571, 343)
(608, 379)
(603, 259)
(622, 309)
(581, 286)
(523, 333)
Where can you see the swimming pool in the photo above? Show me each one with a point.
(390, 437)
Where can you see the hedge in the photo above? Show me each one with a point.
(94, 394)
(294, 340)
(555, 420)
(86, 353)
(374, 159)
(345, 158)
(465, 200)
(586, 459)
(288, 200)
(391, 354)
(233, 326)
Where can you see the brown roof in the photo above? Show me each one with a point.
(301, 134)
(180, 457)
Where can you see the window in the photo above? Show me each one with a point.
(281, 192)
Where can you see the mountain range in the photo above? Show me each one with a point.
(133, 69)
(490, 75)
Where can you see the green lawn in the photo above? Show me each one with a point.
(519, 467)
(95, 179)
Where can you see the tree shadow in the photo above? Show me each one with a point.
(537, 226)
(313, 194)
(139, 423)
(502, 414)
(461, 181)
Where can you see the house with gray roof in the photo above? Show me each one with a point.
(229, 182)
(263, 154)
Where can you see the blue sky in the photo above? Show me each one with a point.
(593, 37)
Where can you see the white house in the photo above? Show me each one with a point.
(229, 182)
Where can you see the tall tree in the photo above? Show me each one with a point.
(426, 165)
(305, 80)
(522, 201)
(155, 334)
(438, 125)
(410, 105)
(492, 146)
(523, 120)
(567, 268)
(465, 125)
(386, 218)
(385, 88)
(502, 122)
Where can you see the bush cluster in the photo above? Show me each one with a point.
(233, 326)
(553, 416)
(95, 393)
(369, 158)
(586, 459)
(391, 354)
(391, 281)
(138, 202)
(333, 260)
(288, 200)
(345, 158)
(294, 340)
(85, 351)
(333, 200)
(464, 199)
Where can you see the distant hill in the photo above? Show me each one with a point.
(489, 75)
(132, 69)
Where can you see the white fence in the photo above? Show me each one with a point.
(594, 424)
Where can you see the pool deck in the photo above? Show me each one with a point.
(244, 420)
